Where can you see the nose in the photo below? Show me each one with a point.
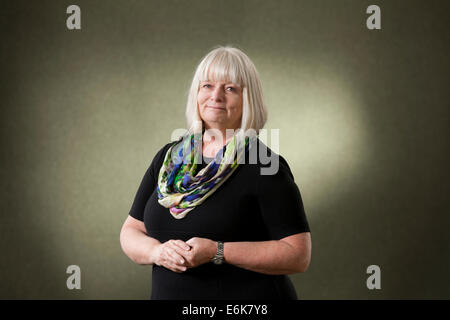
(217, 94)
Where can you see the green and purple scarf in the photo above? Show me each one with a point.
(180, 187)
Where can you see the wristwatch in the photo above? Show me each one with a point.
(218, 259)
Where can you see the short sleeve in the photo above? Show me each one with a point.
(148, 185)
(281, 204)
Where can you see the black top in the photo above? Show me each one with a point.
(248, 206)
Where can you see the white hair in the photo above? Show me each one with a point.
(229, 64)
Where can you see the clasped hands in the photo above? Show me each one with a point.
(178, 256)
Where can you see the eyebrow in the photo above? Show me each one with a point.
(226, 83)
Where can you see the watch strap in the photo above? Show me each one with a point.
(218, 259)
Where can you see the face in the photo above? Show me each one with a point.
(220, 104)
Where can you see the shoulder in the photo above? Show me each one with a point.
(274, 180)
(158, 159)
(163, 150)
(270, 164)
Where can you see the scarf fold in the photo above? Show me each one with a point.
(181, 187)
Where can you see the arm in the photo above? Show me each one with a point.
(135, 242)
(289, 255)
(286, 256)
(145, 250)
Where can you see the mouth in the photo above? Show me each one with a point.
(216, 107)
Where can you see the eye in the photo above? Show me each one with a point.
(206, 86)
(231, 89)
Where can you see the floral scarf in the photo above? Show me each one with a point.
(180, 187)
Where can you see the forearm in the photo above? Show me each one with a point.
(138, 246)
(269, 257)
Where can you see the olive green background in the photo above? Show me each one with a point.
(363, 118)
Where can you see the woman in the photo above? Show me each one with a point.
(205, 216)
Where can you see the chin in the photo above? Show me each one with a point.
(212, 118)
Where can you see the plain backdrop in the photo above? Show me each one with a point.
(363, 118)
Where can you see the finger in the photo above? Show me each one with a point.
(169, 257)
(179, 246)
(186, 254)
(175, 257)
(183, 245)
(167, 263)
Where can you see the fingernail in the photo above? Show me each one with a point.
(182, 261)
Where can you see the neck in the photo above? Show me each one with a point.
(218, 134)
(214, 138)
